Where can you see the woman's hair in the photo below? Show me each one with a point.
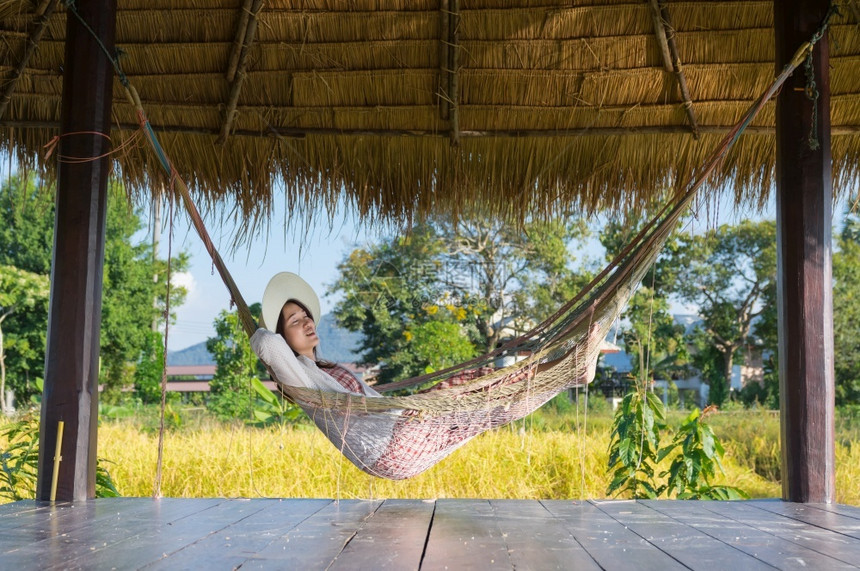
(281, 326)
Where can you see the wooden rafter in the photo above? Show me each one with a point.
(40, 22)
(671, 60)
(239, 62)
(239, 41)
(300, 132)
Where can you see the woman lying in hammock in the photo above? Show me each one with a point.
(287, 342)
(397, 444)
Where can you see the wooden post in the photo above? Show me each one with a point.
(805, 292)
(72, 360)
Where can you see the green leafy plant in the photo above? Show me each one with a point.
(635, 445)
(697, 453)
(635, 453)
(269, 408)
(19, 461)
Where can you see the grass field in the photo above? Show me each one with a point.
(553, 454)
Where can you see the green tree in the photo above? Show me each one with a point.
(444, 292)
(509, 275)
(391, 290)
(150, 369)
(20, 291)
(26, 240)
(231, 396)
(134, 295)
(730, 274)
(128, 307)
(846, 311)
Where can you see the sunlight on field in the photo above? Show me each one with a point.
(550, 456)
(299, 462)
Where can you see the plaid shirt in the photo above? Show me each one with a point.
(345, 378)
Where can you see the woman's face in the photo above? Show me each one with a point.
(300, 331)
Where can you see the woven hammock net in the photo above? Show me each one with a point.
(397, 437)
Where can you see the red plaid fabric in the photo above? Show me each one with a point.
(345, 378)
(417, 443)
(462, 378)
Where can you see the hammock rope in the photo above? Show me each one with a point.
(400, 436)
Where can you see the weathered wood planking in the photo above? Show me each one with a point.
(536, 541)
(850, 511)
(142, 533)
(318, 540)
(826, 541)
(613, 546)
(761, 544)
(681, 542)
(465, 535)
(393, 538)
(236, 544)
(808, 514)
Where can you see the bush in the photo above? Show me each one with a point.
(19, 462)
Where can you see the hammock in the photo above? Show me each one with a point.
(397, 437)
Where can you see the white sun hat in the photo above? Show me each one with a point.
(283, 287)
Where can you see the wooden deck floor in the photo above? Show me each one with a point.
(212, 534)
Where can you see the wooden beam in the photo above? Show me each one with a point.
(72, 359)
(302, 132)
(238, 41)
(804, 286)
(671, 59)
(239, 74)
(40, 22)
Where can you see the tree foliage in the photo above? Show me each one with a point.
(231, 390)
(846, 311)
(509, 276)
(21, 293)
(134, 289)
(449, 290)
(730, 274)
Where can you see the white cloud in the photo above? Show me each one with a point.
(186, 280)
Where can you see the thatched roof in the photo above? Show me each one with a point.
(406, 106)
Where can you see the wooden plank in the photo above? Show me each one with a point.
(812, 515)
(804, 286)
(538, 540)
(19, 509)
(148, 538)
(681, 542)
(842, 509)
(237, 544)
(823, 541)
(611, 544)
(393, 538)
(98, 526)
(760, 544)
(72, 347)
(62, 517)
(465, 535)
(318, 540)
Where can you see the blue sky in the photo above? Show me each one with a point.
(315, 257)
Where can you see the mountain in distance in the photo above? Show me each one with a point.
(337, 344)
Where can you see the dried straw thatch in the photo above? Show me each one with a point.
(416, 106)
